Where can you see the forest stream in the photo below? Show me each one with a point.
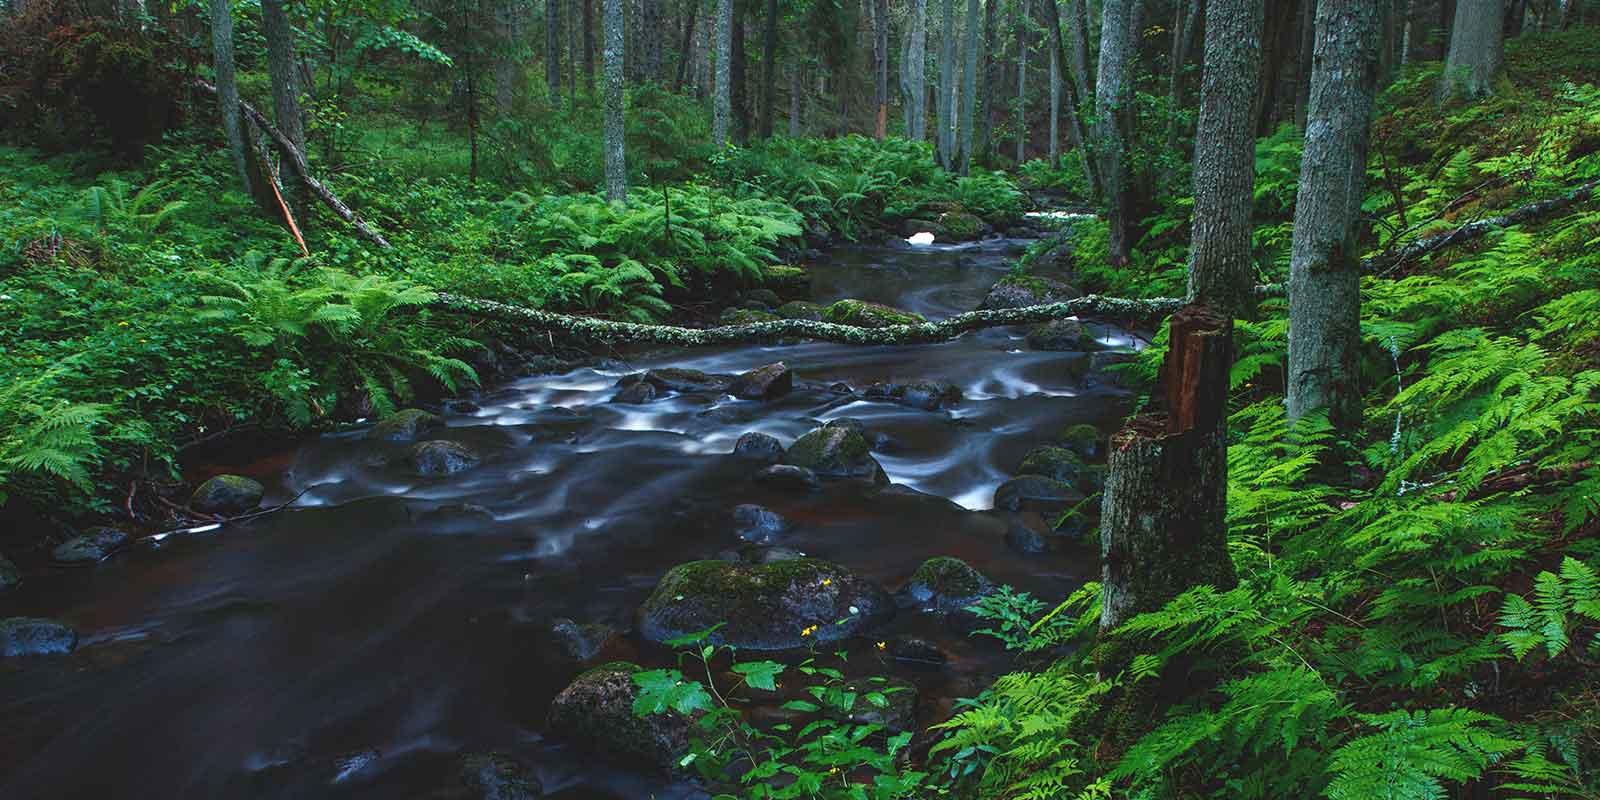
(357, 643)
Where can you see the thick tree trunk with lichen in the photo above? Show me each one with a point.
(722, 100)
(228, 87)
(1324, 268)
(1113, 108)
(616, 162)
(1477, 46)
(1221, 271)
(1163, 524)
(917, 72)
(944, 95)
(969, 88)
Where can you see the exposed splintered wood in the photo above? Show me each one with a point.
(600, 330)
(297, 160)
(1163, 516)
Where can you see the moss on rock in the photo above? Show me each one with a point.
(863, 314)
(406, 425)
(836, 451)
(596, 712)
(774, 606)
(944, 583)
(227, 494)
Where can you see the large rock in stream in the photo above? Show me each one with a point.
(836, 450)
(92, 546)
(1020, 290)
(35, 636)
(781, 605)
(863, 314)
(406, 425)
(763, 383)
(596, 712)
(227, 494)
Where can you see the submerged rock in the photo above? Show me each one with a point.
(227, 494)
(789, 476)
(35, 636)
(636, 394)
(943, 583)
(1018, 290)
(890, 702)
(9, 574)
(578, 642)
(1035, 493)
(1027, 540)
(1062, 464)
(406, 425)
(1062, 335)
(916, 650)
(677, 379)
(91, 546)
(775, 606)
(497, 776)
(761, 447)
(863, 314)
(788, 280)
(926, 395)
(763, 383)
(596, 712)
(441, 457)
(757, 524)
(836, 451)
(767, 298)
(759, 554)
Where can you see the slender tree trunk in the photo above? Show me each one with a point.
(228, 87)
(615, 155)
(1221, 271)
(795, 91)
(552, 49)
(917, 72)
(1324, 269)
(991, 79)
(1389, 41)
(588, 47)
(722, 97)
(570, 23)
(1186, 18)
(944, 98)
(686, 50)
(1075, 92)
(471, 74)
(652, 31)
(1163, 520)
(1055, 89)
(1308, 43)
(1113, 96)
(880, 48)
(969, 87)
(1025, 21)
(505, 67)
(736, 71)
(1476, 49)
(769, 68)
(285, 93)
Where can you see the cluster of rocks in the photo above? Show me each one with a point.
(767, 382)
(1056, 481)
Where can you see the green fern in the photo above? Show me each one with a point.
(1414, 754)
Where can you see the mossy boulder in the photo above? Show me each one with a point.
(678, 379)
(595, 712)
(1062, 335)
(788, 280)
(836, 451)
(745, 316)
(497, 776)
(760, 447)
(1063, 465)
(227, 494)
(943, 583)
(1021, 289)
(572, 641)
(90, 546)
(963, 226)
(636, 394)
(775, 606)
(763, 383)
(35, 636)
(758, 524)
(789, 477)
(406, 425)
(765, 298)
(440, 457)
(1083, 439)
(863, 314)
(801, 309)
(1036, 493)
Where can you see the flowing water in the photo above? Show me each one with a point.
(357, 643)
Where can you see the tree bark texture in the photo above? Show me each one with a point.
(588, 46)
(722, 96)
(1324, 271)
(917, 73)
(1221, 270)
(1024, 21)
(1055, 88)
(1476, 49)
(944, 97)
(880, 68)
(228, 87)
(285, 86)
(552, 49)
(613, 134)
(769, 69)
(969, 87)
(1113, 99)
(1163, 516)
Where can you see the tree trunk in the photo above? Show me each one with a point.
(228, 87)
(285, 89)
(769, 68)
(1185, 20)
(1113, 99)
(686, 50)
(505, 67)
(588, 47)
(991, 77)
(1476, 49)
(1324, 273)
(1302, 75)
(722, 94)
(570, 23)
(736, 72)
(1075, 91)
(944, 97)
(795, 87)
(1163, 520)
(1055, 89)
(1221, 270)
(552, 49)
(917, 72)
(969, 87)
(1025, 19)
(651, 31)
(616, 160)
(880, 67)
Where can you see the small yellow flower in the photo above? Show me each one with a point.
(807, 631)
(883, 645)
(827, 581)
(122, 324)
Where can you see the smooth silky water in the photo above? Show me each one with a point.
(356, 644)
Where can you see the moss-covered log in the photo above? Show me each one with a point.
(600, 330)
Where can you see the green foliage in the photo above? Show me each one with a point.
(1548, 616)
(1414, 752)
(1017, 621)
(45, 437)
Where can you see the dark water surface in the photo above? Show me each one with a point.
(358, 643)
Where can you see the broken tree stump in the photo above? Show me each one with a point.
(1163, 526)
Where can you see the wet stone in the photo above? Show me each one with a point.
(578, 642)
(227, 494)
(1026, 540)
(636, 394)
(788, 476)
(596, 712)
(1062, 335)
(1017, 291)
(775, 606)
(943, 584)
(35, 636)
(9, 574)
(800, 309)
(497, 776)
(916, 650)
(406, 425)
(761, 447)
(763, 383)
(926, 395)
(677, 379)
(441, 457)
(836, 451)
(91, 546)
(1035, 493)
